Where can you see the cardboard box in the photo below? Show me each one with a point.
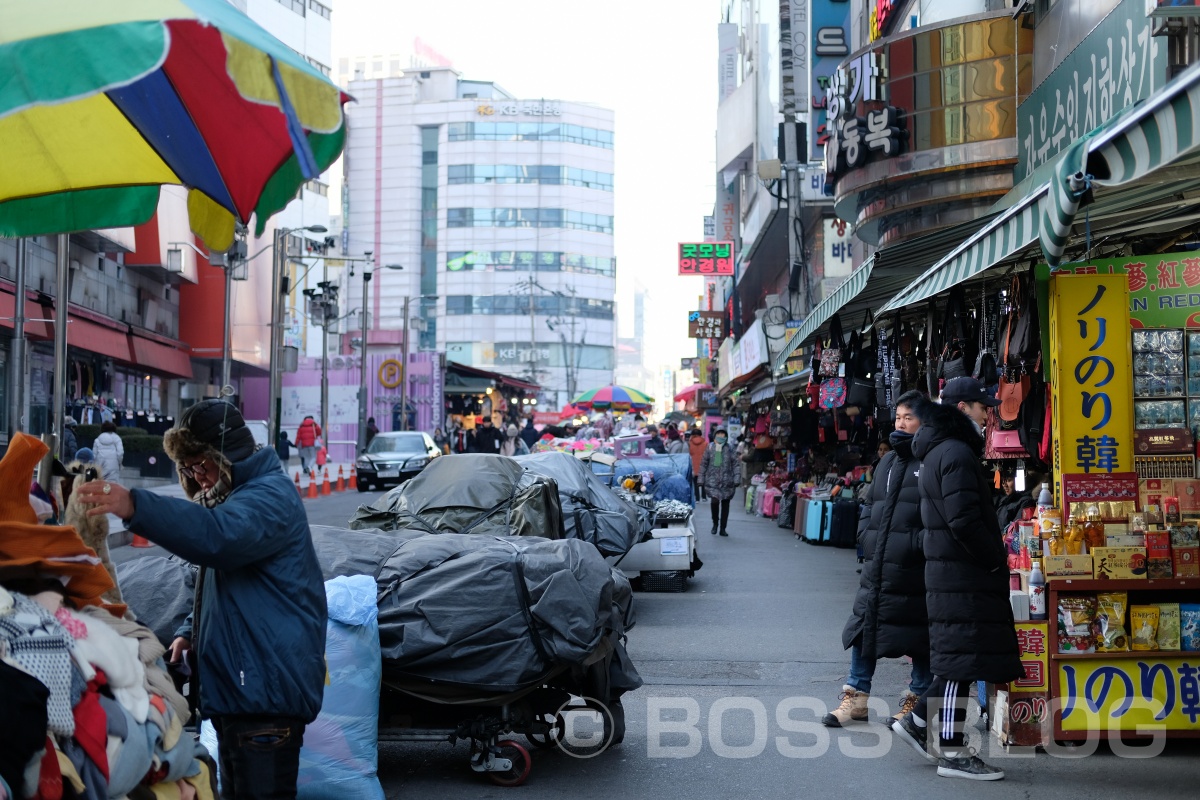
(1151, 491)
(1061, 566)
(1185, 561)
(1119, 563)
(1188, 492)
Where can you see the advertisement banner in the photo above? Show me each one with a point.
(1150, 692)
(831, 44)
(1164, 289)
(1117, 65)
(1091, 374)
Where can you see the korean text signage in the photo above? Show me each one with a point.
(706, 324)
(849, 136)
(1091, 374)
(706, 258)
(1164, 289)
(831, 43)
(1121, 694)
(838, 262)
(517, 108)
(1117, 64)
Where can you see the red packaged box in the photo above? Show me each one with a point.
(1186, 562)
(1158, 544)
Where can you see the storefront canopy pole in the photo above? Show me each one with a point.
(16, 358)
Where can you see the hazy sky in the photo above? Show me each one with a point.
(654, 62)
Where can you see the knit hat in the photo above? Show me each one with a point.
(30, 550)
(70, 421)
(512, 429)
(212, 429)
(85, 455)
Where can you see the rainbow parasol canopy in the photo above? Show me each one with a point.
(104, 101)
(618, 398)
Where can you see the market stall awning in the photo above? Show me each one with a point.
(763, 390)
(1163, 130)
(686, 395)
(463, 379)
(878, 279)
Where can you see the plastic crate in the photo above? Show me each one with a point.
(664, 581)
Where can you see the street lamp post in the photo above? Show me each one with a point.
(275, 395)
(366, 326)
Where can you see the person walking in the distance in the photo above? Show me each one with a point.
(719, 473)
(971, 632)
(306, 442)
(889, 618)
(110, 452)
(697, 445)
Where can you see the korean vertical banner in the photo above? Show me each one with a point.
(1091, 374)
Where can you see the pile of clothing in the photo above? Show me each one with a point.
(88, 707)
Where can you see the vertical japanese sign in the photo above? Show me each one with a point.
(831, 44)
(1091, 374)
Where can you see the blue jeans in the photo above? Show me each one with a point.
(862, 670)
(259, 756)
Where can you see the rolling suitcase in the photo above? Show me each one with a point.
(801, 514)
(816, 522)
(843, 525)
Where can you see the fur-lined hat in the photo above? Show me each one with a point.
(213, 429)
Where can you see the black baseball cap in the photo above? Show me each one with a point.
(966, 390)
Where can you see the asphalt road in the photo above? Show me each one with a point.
(737, 670)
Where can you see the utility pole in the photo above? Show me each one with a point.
(275, 411)
(16, 372)
(404, 373)
(362, 387)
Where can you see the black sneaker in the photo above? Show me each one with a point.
(969, 766)
(714, 530)
(914, 736)
(723, 533)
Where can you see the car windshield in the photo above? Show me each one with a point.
(397, 443)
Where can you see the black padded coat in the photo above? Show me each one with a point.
(971, 633)
(889, 620)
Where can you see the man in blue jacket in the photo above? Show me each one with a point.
(260, 609)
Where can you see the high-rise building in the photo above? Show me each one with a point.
(500, 212)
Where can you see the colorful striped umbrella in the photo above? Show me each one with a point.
(618, 398)
(103, 101)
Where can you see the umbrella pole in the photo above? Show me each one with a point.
(58, 405)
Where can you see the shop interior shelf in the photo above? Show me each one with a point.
(1125, 654)
(1065, 584)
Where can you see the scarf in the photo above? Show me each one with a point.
(211, 498)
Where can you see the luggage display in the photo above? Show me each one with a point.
(787, 511)
(751, 490)
(843, 526)
(801, 514)
(816, 523)
(770, 506)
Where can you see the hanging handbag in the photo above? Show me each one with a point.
(953, 360)
(1013, 388)
(831, 356)
(866, 363)
(833, 393)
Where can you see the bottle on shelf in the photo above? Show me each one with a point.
(1058, 545)
(1093, 528)
(1037, 591)
(1074, 538)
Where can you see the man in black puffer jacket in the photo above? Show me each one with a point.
(971, 631)
(889, 620)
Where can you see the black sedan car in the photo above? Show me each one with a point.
(393, 458)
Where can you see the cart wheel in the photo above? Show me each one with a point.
(551, 738)
(521, 764)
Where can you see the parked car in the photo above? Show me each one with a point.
(393, 458)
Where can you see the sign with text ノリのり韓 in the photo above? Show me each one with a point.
(1091, 374)
(1150, 692)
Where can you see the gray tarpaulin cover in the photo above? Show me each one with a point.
(470, 493)
(494, 613)
(159, 592)
(590, 510)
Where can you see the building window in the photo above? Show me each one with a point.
(529, 131)
(317, 187)
(533, 173)
(318, 9)
(294, 5)
(429, 214)
(528, 260)
(528, 218)
(551, 305)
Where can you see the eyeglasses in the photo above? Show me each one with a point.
(193, 470)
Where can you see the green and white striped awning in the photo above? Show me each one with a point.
(1149, 136)
(825, 309)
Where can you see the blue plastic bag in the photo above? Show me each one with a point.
(339, 759)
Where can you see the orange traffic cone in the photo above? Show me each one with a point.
(299, 491)
(341, 481)
(353, 477)
(140, 541)
(325, 483)
(312, 484)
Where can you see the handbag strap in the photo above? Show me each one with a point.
(835, 332)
